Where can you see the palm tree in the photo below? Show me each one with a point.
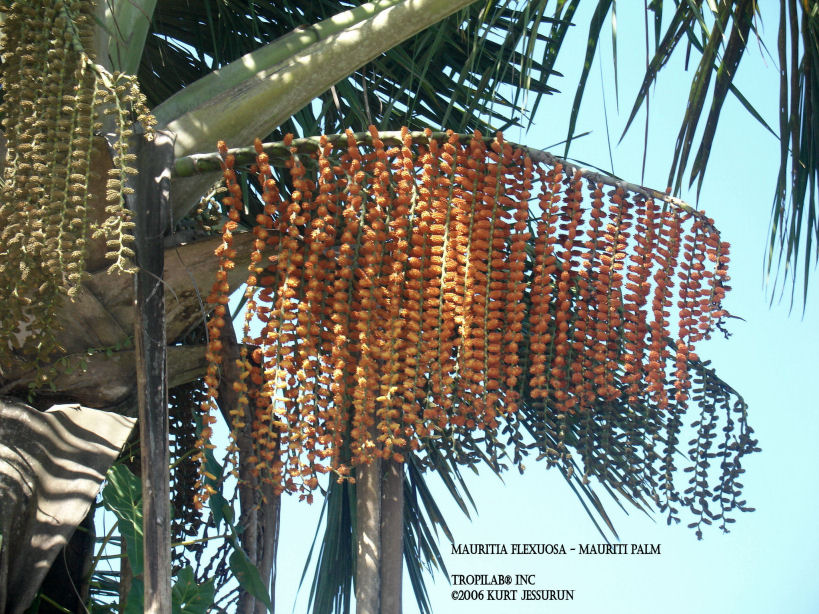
(279, 73)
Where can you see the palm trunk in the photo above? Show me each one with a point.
(379, 537)
(270, 515)
(368, 538)
(248, 484)
(392, 536)
(249, 535)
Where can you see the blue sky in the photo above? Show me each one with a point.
(769, 561)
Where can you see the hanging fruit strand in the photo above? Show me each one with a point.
(408, 196)
(268, 429)
(496, 284)
(448, 217)
(341, 317)
(392, 237)
(514, 309)
(427, 238)
(462, 205)
(636, 299)
(218, 297)
(688, 315)
(369, 299)
(571, 217)
(543, 323)
(320, 296)
(589, 348)
(474, 282)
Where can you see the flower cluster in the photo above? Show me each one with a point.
(54, 99)
(413, 290)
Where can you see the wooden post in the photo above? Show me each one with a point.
(152, 191)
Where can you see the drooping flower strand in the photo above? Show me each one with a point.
(343, 346)
(608, 293)
(320, 295)
(542, 320)
(673, 405)
(280, 341)
(427, 254)
(369, 303)
(308, 307)
(638, 288)
(691, 288)
(54, 97)
(445, 261)
(391, 345)
(300, 404)
(718, 254)
(414, 407)
(617, 234)
(571, 216)
(590, 351)
(667, 252)
(646, 420)
(243, 410)
(465, 174)
(268, 429)
(561, 364)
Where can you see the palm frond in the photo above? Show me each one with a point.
(719, 33)
(595, 27)
(334, 564)
(451, 74)
(794, 204)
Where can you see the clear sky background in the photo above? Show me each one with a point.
(770, 560)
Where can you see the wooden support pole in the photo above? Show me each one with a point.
(152, 191)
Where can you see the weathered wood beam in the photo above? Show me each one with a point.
(155, 159)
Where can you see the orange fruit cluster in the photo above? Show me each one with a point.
(408, 290)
